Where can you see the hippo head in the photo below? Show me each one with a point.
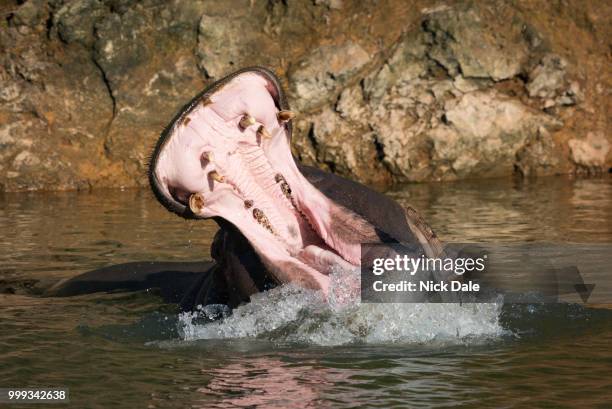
(227, 156)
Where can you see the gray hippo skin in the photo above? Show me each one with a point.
(197, 170)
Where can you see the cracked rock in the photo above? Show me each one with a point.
(589, 154)
(478, 42)
(548, 81)
(323, 72)
(385, 91)
(483, 133)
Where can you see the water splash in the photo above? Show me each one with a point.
(292, 314)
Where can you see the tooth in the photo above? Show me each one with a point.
(196, 202)
(263, 132)
(286, 190)
(216, 176)
(246, 121)
(262, 219)
(278, 178)
(285, 116)
(208, 156)
(248, 204)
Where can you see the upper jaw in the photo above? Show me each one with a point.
(158, 186)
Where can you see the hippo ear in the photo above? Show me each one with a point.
(425, 235)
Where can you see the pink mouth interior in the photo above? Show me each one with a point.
(302, 235)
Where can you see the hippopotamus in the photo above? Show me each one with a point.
(226, 155)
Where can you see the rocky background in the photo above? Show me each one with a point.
(387, 91)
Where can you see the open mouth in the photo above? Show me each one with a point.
(227, 155)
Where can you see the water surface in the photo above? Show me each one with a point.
(287, 349)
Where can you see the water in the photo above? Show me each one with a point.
(288, 348)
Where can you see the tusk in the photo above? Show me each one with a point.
(285, 116)
(196, 202)
(262, 132)
(216, 176)
(246, 121)
(208, 156)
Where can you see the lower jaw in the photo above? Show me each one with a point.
(307, 267)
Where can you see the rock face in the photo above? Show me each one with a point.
(483, 132)
(589, 154)
(387, 91)
(325, 72)
(477, 43)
